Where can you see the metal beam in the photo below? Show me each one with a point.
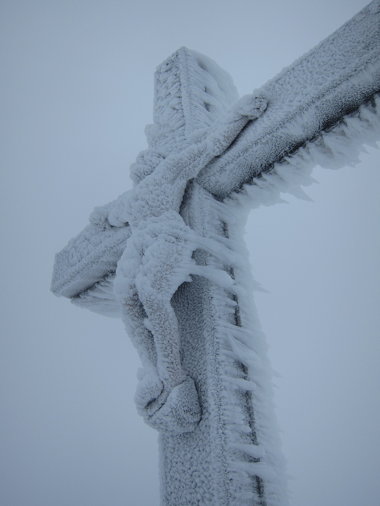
(317, 91)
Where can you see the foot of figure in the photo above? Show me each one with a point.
(149, 394)
(177, 412)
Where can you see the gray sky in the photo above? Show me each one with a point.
(77, 90)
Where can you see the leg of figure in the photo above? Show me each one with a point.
(134, 317)
(163, 270)
(150, 385)
(164, 324)
(177, 408)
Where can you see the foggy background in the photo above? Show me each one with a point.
(76, 92)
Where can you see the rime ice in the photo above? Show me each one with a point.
(182, 280)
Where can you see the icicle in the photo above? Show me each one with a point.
(254, 451)
(217, 276)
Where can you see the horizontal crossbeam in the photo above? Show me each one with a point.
(313, 94)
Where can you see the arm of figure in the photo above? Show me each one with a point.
(113, 214)
(211, 142)
(226, 130)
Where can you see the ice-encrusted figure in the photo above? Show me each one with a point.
(158, 259)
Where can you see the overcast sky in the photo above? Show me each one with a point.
(76, 92)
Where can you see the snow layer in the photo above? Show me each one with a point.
(206, 382)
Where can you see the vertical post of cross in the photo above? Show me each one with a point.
(232, 457)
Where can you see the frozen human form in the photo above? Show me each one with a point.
(158, 259)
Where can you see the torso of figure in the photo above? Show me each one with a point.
(162, 186)
(161, 191)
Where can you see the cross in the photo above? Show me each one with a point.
(177, 274)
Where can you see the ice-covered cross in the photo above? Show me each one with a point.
(168, 255)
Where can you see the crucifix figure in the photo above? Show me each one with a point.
(167, 255)
(158, 259)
